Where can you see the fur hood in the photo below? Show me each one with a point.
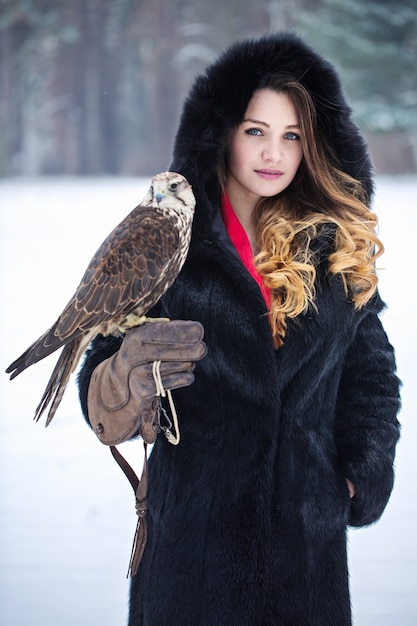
(218, 100)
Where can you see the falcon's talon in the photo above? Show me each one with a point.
(132, 321)
(151, 320)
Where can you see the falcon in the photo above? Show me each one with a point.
(132, 269)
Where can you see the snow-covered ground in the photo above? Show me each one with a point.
(66, 510)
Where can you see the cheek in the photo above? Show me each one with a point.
(297, 156)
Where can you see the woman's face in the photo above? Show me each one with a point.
(264, 151)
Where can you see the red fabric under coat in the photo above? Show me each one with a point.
(240, 240)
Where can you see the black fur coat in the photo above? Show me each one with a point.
(247, 516)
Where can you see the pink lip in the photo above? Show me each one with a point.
(269, 174)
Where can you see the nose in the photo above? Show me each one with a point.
(273, 152)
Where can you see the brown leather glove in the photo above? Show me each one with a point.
(122, 395)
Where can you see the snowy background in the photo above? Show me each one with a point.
(66, 510)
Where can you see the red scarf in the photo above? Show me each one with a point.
(240, 240)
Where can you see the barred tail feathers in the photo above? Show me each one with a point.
(41, 348)
(55, 389)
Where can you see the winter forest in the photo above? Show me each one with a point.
(95, 86)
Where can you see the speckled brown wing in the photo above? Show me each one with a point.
(125, 273)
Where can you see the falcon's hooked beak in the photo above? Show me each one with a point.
(159, 196)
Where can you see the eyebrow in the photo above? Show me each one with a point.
(252, 121)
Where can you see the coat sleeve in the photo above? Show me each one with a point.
(367, 429)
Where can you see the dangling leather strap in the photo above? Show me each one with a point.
(140, 488)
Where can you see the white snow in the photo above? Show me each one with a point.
(67, 513)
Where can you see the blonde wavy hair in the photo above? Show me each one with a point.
(286, 225)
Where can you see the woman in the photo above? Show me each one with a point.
(289, 429)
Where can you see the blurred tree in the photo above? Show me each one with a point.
(27, 42)
(374, 44)
(59, 70)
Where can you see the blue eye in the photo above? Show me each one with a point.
(255, 132)
(291, 136)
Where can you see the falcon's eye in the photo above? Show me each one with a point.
(173, 186)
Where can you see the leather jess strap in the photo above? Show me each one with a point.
(140, 488)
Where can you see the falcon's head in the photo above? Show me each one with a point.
(171, 191)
